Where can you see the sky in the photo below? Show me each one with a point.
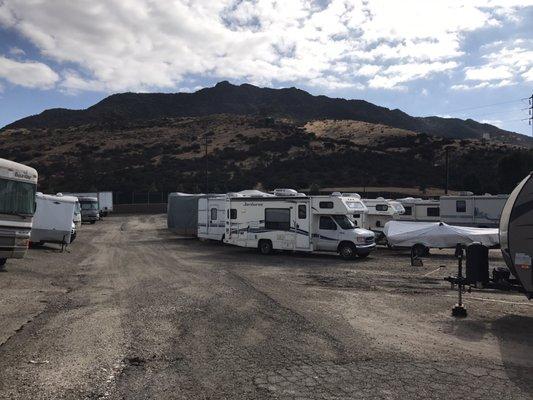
(452, 58)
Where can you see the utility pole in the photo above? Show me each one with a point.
(447, 150)
(530, 110)
(206, 167)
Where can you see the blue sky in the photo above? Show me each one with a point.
(447, 58)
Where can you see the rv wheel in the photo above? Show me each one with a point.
(265, 247)
(420, 250)
(2, 262)
(93, 222)
(347, 251)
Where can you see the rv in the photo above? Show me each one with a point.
(53, 221)
(77, 213)
(89, 209)
(212, 217)
(469, 210)
(359, 210)
(292, 221)
(380, 211)
(18, 185)
(105, 201)
(419, 210)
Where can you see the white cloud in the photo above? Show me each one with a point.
(145, 44)
(16, 51)
(27, 73)
(488, 73)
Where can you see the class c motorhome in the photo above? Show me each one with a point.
(469, 210)
(417, 209)
(380, 211)
(105, 201)
(53, 221)
(292, 221)
(18, 185)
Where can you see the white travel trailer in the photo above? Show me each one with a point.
(298, 223)
(105, 200)
(380, 211)
(417, 209)
(212, 217)
(53, 219)
(18, 184)
(469, 210)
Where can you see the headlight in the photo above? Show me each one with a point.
(361, 239)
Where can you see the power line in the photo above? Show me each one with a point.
(487, 105)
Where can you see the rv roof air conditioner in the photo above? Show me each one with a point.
(285, 192)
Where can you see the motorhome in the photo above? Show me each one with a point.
(292, 221)
(212, 217)
(18, 185)
(105, 201)
(417, 209)
(77, 214)
(53, 221)
(380, 211)
(89, 209)
(468, 210)
(359, 210)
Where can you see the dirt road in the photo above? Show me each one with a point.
(132, 312)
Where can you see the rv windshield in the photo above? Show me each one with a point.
(17, 197)
(343, 221)
(89, 206)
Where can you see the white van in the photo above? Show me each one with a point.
(53, 221)
(18, 184)
(297, 223)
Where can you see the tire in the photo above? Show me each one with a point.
(363, 255)
(420, 250)
(347, 251)
(2, 262)
(93, 222)
(265, 247)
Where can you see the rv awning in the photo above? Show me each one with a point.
(437, 234)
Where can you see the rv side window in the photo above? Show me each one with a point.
(325, 204)
(433, 211)
(408, 210)
(460, 206)
(327, 224)
(278, 219)
(213, 214)
(302, 211)
(233, 213)
(382, 207)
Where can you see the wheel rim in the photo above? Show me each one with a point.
(346, 251)
(265, 248)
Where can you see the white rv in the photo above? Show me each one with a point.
(417, 209)
(53, 219)
(298, 223)
(469, 210)
(212, 217)
(380, 211)
(18, 184)
(105, 200)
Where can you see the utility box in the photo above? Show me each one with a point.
(477, 263)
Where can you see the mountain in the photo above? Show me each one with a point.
(292, 103)
(168, 154)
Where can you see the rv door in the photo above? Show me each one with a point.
(303, 226)
(327, 234)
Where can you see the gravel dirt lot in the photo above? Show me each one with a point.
(133, 312)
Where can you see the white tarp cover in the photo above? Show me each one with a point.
(437, 234)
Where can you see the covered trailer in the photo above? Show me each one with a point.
(53, 219)
(182, 213)
(516, 233)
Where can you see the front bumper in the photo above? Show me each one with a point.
(13, 243)
(365, 248)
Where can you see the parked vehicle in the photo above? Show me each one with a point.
(469, 210)
(421, 236)
(53, 221)
(420, 210)
(516, 234)
(89, 209)
(77, 214)
(105, 201)
(359, 210)
(380, 211)
(212, 217)
(182, 213)
(298, 223)
(18, 185)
